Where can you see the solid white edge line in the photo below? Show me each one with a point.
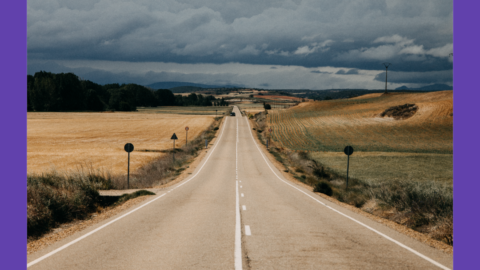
(126, 214)
(247, 230)
(364, 225)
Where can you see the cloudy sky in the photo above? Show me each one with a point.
(276, 44)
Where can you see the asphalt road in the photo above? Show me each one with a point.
(236, 211)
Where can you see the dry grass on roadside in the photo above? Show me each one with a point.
(162, 169)
(55, 197)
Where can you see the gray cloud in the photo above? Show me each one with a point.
(283, 77)
(311, 33)
(351, 71)
(319, 72)
(443, 76)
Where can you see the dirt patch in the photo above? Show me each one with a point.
(400, 112)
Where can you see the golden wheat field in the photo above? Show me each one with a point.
(331, 125)
(64, 141)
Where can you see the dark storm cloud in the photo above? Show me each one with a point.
(414, 35)
(351, 71)
(320, 72)
(444, 76)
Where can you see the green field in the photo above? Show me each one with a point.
(390, 166)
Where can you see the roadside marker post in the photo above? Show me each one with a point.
(348, 151)
(186, 136)
(206, 144)
(128, 148)
(174, 137)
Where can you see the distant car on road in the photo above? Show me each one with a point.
(232, 114)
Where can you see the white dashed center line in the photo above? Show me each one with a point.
(247, 230)
(242, 194)
(244, 207)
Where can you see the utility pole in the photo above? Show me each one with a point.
(386, 73)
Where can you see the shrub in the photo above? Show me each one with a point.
(54, 198)
(299, 170)
(324, 188)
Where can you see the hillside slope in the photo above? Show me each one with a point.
(331, 125)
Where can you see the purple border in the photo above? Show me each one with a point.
(465, 99)
(13, 77)
(13, 71)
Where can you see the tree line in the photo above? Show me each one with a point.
(48, 91)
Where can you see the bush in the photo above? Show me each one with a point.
(299, 170)
(324, 188)
(124, 106)
(54, 198)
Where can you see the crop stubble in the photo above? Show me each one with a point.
(65, 141)
(330, 125)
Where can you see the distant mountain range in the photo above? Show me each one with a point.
(170, 85)
(432, 87)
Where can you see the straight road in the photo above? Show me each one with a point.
(237, 212)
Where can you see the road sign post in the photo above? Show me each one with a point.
(186, 135)
(174, 137)
(348, 151)
(128, 148)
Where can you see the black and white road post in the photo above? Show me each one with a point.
(174, 137)
(128, 148)
(348, 151)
